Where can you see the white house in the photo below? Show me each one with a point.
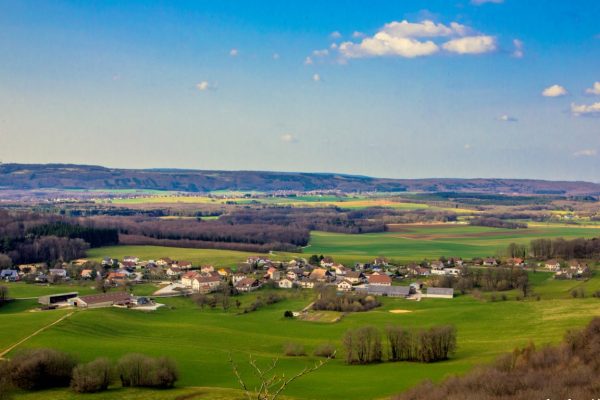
(285, 283)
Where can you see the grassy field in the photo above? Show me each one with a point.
(201, 340)
(418, 242)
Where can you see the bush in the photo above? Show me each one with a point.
(41, 369)
(92, 377)
(138, 370)
(294, 349)
(5, 380)
(325, 350)
(288, 314)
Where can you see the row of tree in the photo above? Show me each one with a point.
(488, 279)
(329, 299)
(364, 345)
(39, 369)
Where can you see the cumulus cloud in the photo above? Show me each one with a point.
(554, 91)
(316, 78)
(335, 35)
(480, 2)
(308, 61)
(288, 138)
(205, 85)
(595, 89)
(471, 45)
(357, 35)
(233, 52)
(586, 153)
(507, 118)
(416, 39)
(518, 51)
(320, 53)
(585, 110)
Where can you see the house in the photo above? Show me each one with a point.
(294, 274)
(440, 293)
(107, 261)
(116, 277)
(306, 283)
(552, 265)
(321, 275)
(188, 277)
(131, 259)
(184, 264)
(344, 286)
(31, 268)
(87, 274)
(238, 276)
(174, 272)
(285, 283)
(58, 272)
(339, 269)
(379, 280)
(257, 261)
(52, 299)
(437, 266)
(490, 262)
(101, 300)
(355, 277)
(79, 262)
(273, 273)
(380, 262)
(10, 275)
(453, 271)
(247, 285)
(207, 269)
(224, 272)
(163, 262)
(205, 284)
(326, 262)
(516, 262)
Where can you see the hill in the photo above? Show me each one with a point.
(70, 176)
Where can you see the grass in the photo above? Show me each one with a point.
(418, 242)
(201, 340)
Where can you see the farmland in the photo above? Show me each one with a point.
(200, 340)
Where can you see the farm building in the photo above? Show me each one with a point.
(101, 300)
(56, 298)
(390, 291)
(440, 293)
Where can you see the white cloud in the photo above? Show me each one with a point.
(320, 53)
(316, 78)
(591, 110)
(507, 118)
(357, 35)
(410, 39)
(233, 52)
(554, 91)
(586, 153)
(480, 2)
(468, 146)
(308, 61)
(288, 138)
(471, 45)
(595, 89)
(518, 52)
(335, 35)
(204, 85)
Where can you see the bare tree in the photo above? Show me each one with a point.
(272, 384)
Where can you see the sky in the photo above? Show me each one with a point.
(399, 89)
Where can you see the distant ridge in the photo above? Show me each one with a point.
(73, 176)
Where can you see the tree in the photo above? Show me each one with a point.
(92, 377)
(5, 261)
(3, 294)
(271, 383)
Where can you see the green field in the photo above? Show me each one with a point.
(415, 243)
(200, 340)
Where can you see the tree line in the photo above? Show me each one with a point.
(488, 279)
(364, 345)
(40, 369)
(329, 299)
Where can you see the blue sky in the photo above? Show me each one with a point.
(403, 89)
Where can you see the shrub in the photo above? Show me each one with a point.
(363, 345)
(325, 350)
(41, 369)
(294, 349)
(288, 314)
(92, 377)
(138, 370)
(5, 380)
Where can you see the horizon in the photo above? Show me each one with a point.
(415, 90)
(168, 169)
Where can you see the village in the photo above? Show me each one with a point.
(182, 278)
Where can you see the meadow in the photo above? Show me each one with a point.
(202, 340)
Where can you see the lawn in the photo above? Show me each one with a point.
(201, 340)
